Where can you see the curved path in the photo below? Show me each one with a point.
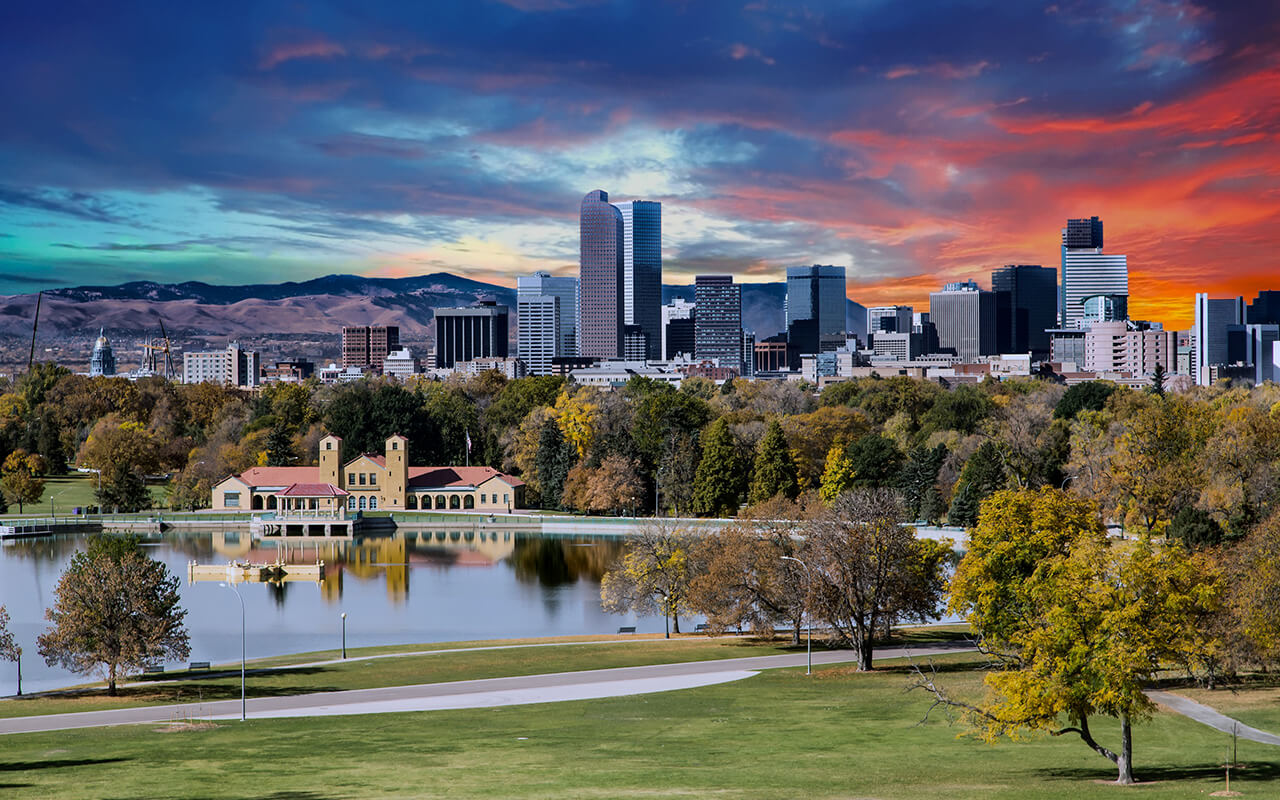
(1211, 717)
(547, 688)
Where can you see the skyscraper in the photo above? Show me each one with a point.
(818, 293)
(565, 292)
(602, 239)
(965, 317)
(889, 319)
(642, 269)
(366, 346)
(1087, 271)
(1265, 308)
(464, 334)
(102, 362)
(538, 331)
(677, 328)
(1025, 308)
(1215, 322)
(717, 326)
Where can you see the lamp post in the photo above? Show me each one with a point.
(233, 588)
(344, 635)
(808, 630)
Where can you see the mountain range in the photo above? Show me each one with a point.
(319, 306)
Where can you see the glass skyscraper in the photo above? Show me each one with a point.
(1026, 300)
(602, 238)
(1087, 271)
(717, 323)
(642, 270)
(818, 293)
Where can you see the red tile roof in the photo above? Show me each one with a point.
(444, 477)
(313, 490)
(279, 476)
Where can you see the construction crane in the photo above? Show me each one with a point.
(152, 346)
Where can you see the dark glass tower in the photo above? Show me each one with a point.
(818, 293)
(717, 326)
(1026, 306)
(600, 285)
(642, 270)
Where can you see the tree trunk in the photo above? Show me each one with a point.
(676, 619)
(1124, 763)
(795, 632)
(865, 649)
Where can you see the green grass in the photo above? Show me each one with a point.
(777, 735)
(63, 493)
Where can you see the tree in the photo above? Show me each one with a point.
(653, 575)
(869, 570)
(1196, 529)
(721, 478)
(19, 477)
(115, 610)
(837, 475)
(917, 479)
(1155, 468)
(556, 456)
(1158, 377)
(983, 474)
(1087, 396)
(123, 491)
(1254, 570)
(280, 451)
(10, 650)
(876, 461)
(1079, 624)
(615, 486)
(678, 471)
(774, 471)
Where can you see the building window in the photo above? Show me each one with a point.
(484, 498)
(362, 479)
(362, 503)
(395, 445)
(328, 445)
(231, 499)
(506, 498)
(314, 504)
(351, 503)
(351, 479)
(373, 503)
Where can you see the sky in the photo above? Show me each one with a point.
(912, 142)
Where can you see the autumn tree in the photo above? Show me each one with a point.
(20, 478)
(721, 479)
(838, 474)
(115, 610)
(10, 650)
(774, 471)
(869, 569)
(1254, 570)
(653, 575)
(615, 486)
(1079, 624)
(1155, 468)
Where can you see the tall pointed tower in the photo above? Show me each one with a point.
(397, 472)
(331, 461)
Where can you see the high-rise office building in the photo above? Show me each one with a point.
(1026, 307)
(233, 366)
(818, 293)
(1124, 346)
(565, 290)
(464, 334)
(102, 362)
(1262, 350)
(1087, 271)
(366, 346)
(856, 320)
(635, 343)
(889, 319)
(600, 286)
(538, 331)
(965, 317)
(1265, 308)
(717, 326)
(677, 328)
(1215, 322)
(642, 269)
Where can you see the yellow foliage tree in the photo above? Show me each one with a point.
(577, 415)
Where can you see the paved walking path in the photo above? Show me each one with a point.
(1214, 719)
(553, 687)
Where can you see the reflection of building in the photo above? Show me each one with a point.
(372, 482)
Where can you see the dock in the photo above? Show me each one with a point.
(47, 526)
(244, 572)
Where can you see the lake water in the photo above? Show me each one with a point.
(423, 586)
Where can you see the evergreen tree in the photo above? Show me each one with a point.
(775, 469)
(1157, 380)
(123, 491)
(983, 474)
(876, 462)
(556, 456)
(721, 479)
(964, 507)
(1196, 529)
(917, 479)
(280, 447)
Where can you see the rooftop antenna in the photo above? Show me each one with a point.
(31, 356)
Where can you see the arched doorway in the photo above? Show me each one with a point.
(453, 501)
(271, 503)
(256, 503)
(411, 502)
(469, 501)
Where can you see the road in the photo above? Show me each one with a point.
(553, 687)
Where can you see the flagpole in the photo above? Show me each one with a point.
(468, 432)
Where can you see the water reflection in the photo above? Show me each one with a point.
(414, 586)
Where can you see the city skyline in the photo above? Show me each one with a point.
(162, 145)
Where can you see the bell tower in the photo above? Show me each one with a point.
(331, 460)
(397, 457)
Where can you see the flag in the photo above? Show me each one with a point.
(468, 440)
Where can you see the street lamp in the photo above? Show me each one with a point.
(344, 635)
(233, 588)
(808, 631)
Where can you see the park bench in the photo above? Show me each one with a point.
(202, 665)
(627, 629)
(701, 627)
(153, 669)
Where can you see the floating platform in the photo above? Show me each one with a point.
(242, 572)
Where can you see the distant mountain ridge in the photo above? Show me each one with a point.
(320, 305)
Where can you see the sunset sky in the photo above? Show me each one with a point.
(913, 142)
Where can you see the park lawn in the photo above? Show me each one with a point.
(839, 734)
(499, 659)
(64, 492)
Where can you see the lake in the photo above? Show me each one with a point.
(413, 586)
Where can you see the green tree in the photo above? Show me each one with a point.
(1158, 378)
(115, 610)
(20, 478)
(123, 490)
(917, 479)
(1087, 396)
(876, 461)
(721, 479)
(280, 452)
(774, 471)
(983, 474)
(653, 576)
(678, 471)
(1196, 529)
(962, 409)
(1080, 624)
(556, 456)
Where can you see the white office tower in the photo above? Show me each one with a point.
(678, 308)
(1215, 321)
(889, 319)
(1087, 272)
(541, 296)
(1262, 349)
(965, 317)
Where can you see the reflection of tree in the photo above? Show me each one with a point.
(277, 590)
(556, 562)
